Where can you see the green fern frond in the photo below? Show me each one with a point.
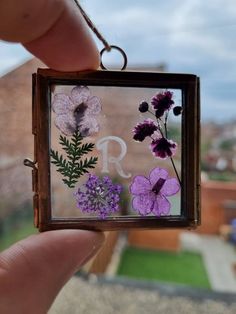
(72, 167)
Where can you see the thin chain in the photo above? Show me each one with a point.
(93, 27)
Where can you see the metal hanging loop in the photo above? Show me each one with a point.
(107, 46)
(125, 59)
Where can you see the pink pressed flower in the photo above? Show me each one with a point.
(150, 194)
(79, 110)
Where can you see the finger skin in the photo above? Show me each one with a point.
(33, 271)
(28, 20)
(52, 30)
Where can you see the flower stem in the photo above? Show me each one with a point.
(165, 135)
(176, 172)
(165, 125)
(171, 159)
(151, 113)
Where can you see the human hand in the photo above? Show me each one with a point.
(34, 270)
(52, 30)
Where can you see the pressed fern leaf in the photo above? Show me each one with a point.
(72, 167)
(86, 164)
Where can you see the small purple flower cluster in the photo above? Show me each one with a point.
(160, 146)
(99, 196)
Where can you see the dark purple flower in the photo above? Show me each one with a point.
(177, 110)
(99, 196)
(150, 193)
(159, 112)
(163, 148)
(143, 107)
(162, 102)
(144, 129)
(79, 110)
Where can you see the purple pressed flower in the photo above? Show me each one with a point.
(177, 110)
(79, 110)
(143, 107)
(163, 148)
(162, 102)
(144, 129)
(150, 194)
(99, 196)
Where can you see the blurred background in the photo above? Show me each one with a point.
(144, 271)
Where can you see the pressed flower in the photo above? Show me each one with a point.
(144, 129)
(163, 148)
(99, 196)
(143, 107)
(150, 194)
(177, 110)
(77, 111)
(159, 112)
(162, 102)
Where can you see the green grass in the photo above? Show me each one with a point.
(182, 268)
(222, 176)
(24, 229)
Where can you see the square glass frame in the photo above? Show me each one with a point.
(43, 83)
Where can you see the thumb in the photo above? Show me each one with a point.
(33, 271)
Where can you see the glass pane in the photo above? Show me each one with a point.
(116, 151)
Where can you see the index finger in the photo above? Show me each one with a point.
(52, 30)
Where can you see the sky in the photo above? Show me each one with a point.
(11, 56)
(189, 36)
